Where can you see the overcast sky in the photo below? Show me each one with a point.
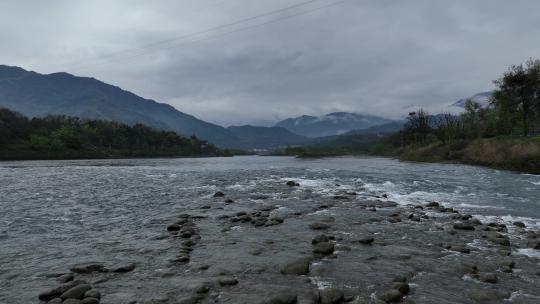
(382, 57)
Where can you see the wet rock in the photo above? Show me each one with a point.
(488, 295)
(292, 184)
(535, 244)
(88, 268)
(202, 289)
(68, 277)
(366, 240)
(390, 296)
(219, 194)
(331, 296)
(188, 300)
(72, 301)
(206, 207)
(57, 291)
(229, 201)
(124, 268)
(299, 266)
(92, 293)
(55, 301)
(319, 226)
(475, 221)
(228, 281)
(460, 248)
(76, 292)
(182, 258)
(319, 239)
(488, 278)
(519, 224)
(463, 226)
(90, 301)
(401, 287)
(432, 205)
(323, 248)
(282, 298)
(173, 227)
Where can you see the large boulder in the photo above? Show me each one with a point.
(76, 292)
(299, 266)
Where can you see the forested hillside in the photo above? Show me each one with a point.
(59, 137)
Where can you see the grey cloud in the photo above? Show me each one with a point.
(379, 57)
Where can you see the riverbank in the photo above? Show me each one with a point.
(516, 154)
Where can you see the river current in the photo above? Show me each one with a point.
(54, 214)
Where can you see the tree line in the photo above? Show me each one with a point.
(62, 136)
(513, 110)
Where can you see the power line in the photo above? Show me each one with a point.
(208, 30)
(145, 49)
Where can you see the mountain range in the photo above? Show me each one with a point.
(330, 124)
(37, 95)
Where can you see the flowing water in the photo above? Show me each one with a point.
(54, 214)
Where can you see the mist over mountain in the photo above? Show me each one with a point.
(330, 124)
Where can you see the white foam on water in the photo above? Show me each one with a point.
(321, 284)
(530, 252)
(509, 220)
(519, 293)
(535, 183)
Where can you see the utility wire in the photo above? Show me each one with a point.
(208, 30)
(144, 50)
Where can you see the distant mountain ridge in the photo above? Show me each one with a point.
(253, 137)
(36, 95)
(330, 124)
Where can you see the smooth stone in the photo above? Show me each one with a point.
(488, 278)
(55, 301)
(88, 268)
(125, 268)
(319, 226)
(72, 301)
(401, 287)
(228, 281)
(292, 184)
(331, 296)
(68, 277)
(299, 266)
(319, 239)
(76, 292)
(463, 226)
(57, 291)
(90, 301)
(519, 224)
(219, 194)
(92, 293)
(391, 295)
(488, 295)
(282, 298)
(323, 248)
(460, 248)
(366, 240)
(188, 300)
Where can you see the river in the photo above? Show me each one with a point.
(55, 214)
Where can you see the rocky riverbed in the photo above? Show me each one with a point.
(341, 251)
(282, 241)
